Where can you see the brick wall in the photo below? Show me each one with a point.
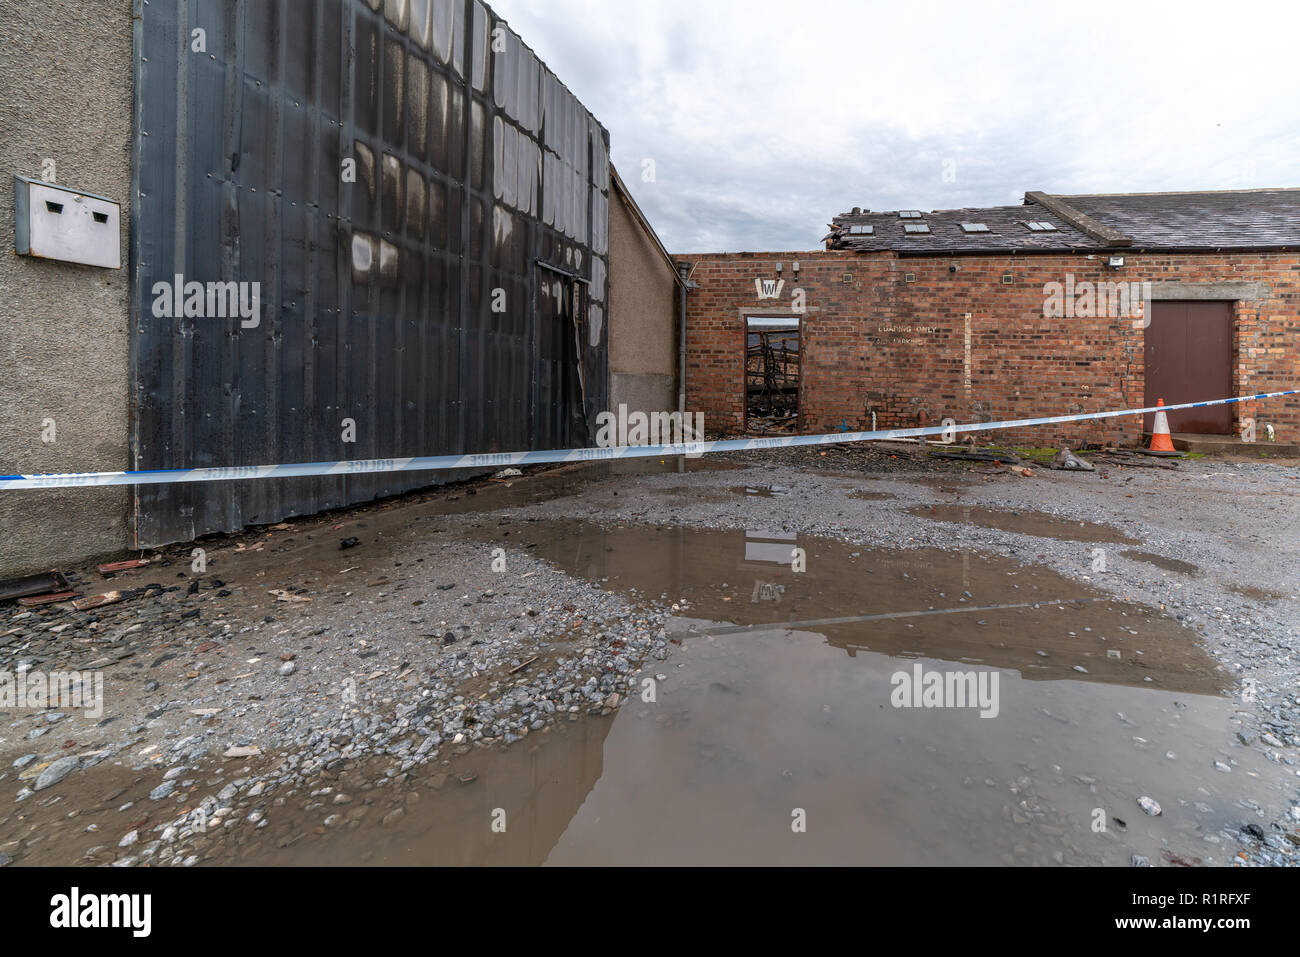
(875, 342)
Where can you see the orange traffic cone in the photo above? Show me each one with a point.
(1160, 438)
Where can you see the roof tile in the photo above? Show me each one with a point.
(1235, 219)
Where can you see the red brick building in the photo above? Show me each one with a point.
(1062, 305)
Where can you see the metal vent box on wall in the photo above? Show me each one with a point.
(54, 222)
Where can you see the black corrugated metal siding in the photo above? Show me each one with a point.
(476, 170)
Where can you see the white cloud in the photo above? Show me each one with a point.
(765, 119)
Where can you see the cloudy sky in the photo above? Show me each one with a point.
(748, 124)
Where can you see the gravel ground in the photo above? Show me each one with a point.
(410, 648)
(1233, 520)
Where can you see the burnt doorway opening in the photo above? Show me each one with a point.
(559, 405)
(1188, 350)
(773, 350)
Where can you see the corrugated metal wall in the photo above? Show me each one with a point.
(481, 182)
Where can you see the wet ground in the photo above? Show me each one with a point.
(1026, 523)
(731, 663)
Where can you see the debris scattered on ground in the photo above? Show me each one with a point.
(1149, 806)
(773, 424)
(37, 601)
(55, 773)
(1067, 461)
(1002, 458)
(48, 583)
(1126, 458)
(115, 567)
(97, 601)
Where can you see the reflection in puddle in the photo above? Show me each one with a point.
(753, 727)
(957, 606)
(1039, 524)
(760, 491)
(778, 703)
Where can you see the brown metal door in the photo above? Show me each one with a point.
(1189, 359)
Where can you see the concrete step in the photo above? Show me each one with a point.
(1229, 445)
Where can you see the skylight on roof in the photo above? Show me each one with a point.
(909, 214)
(974, 228)
(916, 229)
(1041, 227)
(861, 230)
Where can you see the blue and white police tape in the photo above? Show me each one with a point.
(437, 463)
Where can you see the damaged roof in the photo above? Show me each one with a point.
(1235, 219)
(1007, 229)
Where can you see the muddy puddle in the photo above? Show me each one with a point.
(1256, 593)
(948, 483)
(777, 708)
(1039, 524)
(311, 551)
(1160, 561)
(519, 492)
(747, 732)
(777, 733)
(760, 491)
(780, 698)
(959, 606)
(753, 730)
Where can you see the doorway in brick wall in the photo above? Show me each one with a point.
(772, 361)
(1189, 359)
